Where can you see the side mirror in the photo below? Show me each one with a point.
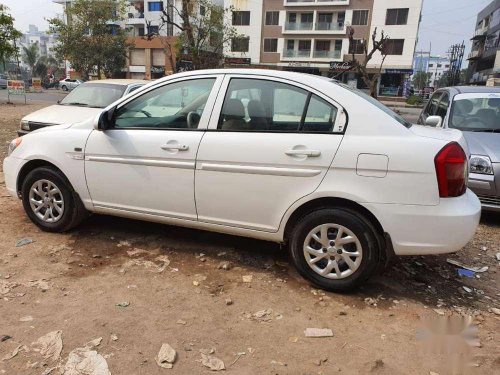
(435, 121)
(106, 119)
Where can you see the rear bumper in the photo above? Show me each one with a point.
(427, 230)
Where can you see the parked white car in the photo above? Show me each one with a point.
(278, 156)
(84, 102)
(69, 84)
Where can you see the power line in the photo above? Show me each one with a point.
(454, 9)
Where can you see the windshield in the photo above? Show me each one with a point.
(377, 104)
(96, 95)
(476, 112)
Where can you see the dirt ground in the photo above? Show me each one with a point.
(139, 285)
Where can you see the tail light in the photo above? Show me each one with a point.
(451, 170)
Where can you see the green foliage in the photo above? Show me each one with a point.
(91, 40)
(202, 37)
(30, 55)
(421, 79)
(8, 34)
(414, 100)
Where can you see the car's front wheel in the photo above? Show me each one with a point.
(50, 201)
(64, 88)
(335, 248)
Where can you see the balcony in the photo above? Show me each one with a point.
(298, 26)
(327, 54)
(473, 55)
(315, 2)
(480, 34)
(135, 19)
(329, 26)
(291, 53)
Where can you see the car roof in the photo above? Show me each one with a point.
(122, 82)
(472, 89)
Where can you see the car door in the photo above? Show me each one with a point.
(145, 162)
(269, 143)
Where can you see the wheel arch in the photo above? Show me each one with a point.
(329, 202)
(31, 165)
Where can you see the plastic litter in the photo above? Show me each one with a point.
(318, 332)
(83, 361)
(474, 269)
(49, 345)
(466, 273)
(24, 242)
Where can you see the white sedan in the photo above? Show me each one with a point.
(342, 180)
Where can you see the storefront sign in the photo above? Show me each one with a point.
(157, 69)
(299, 64)
(36, 84)
(341, 66)
(237, 61)
(16, 87)
(399, 71)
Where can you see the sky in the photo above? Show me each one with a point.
(444, 22)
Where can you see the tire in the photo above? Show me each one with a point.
(71, 210)
(360, 238)
(64, 88)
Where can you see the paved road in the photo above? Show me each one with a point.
(49, 96)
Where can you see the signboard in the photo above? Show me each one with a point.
(399, 71)
(36, 84)
(15, 88)
(237, 61)
(299, 64)
(341, 66)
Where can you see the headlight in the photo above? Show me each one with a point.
(14, 144)
(480, 164)
(25, 125)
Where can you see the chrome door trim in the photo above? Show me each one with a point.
(248, 169)
(143, 162)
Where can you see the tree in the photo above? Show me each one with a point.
(30, 56)
(203, 31)
(92, 40)
(8, 35)
(378, 45)
(421, 79)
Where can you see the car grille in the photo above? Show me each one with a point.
(490, 200)
(37, 125)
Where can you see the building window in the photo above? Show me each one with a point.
(304, 45)
(306, 18)
(394, 46)
(153, 30)
(155, 6)
(396, 16)
(290, 45)
(240, 44)
(241, 18)
(292, 17)
(270, 45)
(141, 31)
(431, 65)
(360, 17)
(272, 18)
(322, 45)
(356, 47)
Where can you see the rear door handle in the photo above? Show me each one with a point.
(309, 153)
(175, 147)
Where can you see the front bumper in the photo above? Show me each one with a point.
(427, 230)
(487, 188)
(11, 168)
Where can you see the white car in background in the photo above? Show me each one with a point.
(69, 84)
(278, 156)
(86, 101)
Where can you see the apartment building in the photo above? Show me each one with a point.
(436, 66)
(484, 58)
(310, 36)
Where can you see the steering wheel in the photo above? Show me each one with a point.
(193, 119)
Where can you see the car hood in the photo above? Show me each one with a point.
(62, 114)
(482, 143)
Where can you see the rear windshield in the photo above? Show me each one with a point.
(377, 104)
(95, 95)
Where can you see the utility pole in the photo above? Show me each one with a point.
(456, 53)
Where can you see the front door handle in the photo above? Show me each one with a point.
(309, 153)
(169, 147)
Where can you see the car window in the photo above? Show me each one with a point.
(433, 104)
(476, 112)
(96, 95)
(177, 105)
(442, 108)
(261, 105)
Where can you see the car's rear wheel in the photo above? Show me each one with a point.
(50, 201)
(64, 88)
(335, 248)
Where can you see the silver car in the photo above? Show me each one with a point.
(69, 84)
(3, 81)
(475, 111)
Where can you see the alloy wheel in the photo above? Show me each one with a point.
(46, 201)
